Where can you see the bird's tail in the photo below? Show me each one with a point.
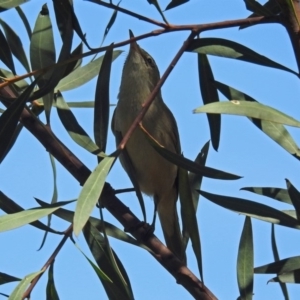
(167, 212)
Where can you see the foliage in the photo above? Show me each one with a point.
(29, 98)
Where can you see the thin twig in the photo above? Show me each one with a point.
(171, 28)
(50, 260)
(130, 13)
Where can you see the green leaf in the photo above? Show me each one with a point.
(253, 209)
(18, 292)
(101, 111)
(101, 275)
(70, 67)
(15, 45)
(280, 267)
(175, 3)
(131, 173)
(289, 277)
(9, 206)
(257, 8)
(271, 192)
(188, 214)
(7, 4)
(190, 165)
(110, 23)
(90, 193)
(230, 49)
(157, 6)
(109, 263)
(51, 292)
(64, 12)
(24, 20)
(245, 262)
(83, 74)
(65, 52)
(209, 94)
(15, 220)
(248, 109)
(5, 278)
(54, 196)
(295, 196)
(12, 141)
(196, 179)
(42, 53)
(275, 131)
(276, 258)
(271, 7)
(76, 132)
(110, 229)
(5, 53)
(10, 118)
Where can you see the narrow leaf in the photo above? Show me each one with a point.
(189, 219)
(5, 53)
(7, 4)
(90, 193)
(5, 278)
(54, 196)
(276, 258)
(15, 45)
(188, 164)
(58, 72)
(209, 94)
(175, 3)
(131, 173)
(76, 132)
(51, 293)
(230, 49)
(21, 287)
(295, 196)
(275, 131)
(101, 111)
(257, 8)
(271, 192)
(12, 141)
(248, 109)
(101, 275)
(9, 206)
(245, 262)
(271, 8)
(109, 263)
(24, 20)
(9, 119)
(83, 74)
(289, 277)
(196, 179)
(110, 23)
(75, 64)
(280, 267)
(253, 209)
(110, 229)
(15, 220)
(157, 6)
(42, 53)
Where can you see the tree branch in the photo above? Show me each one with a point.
(121, 212)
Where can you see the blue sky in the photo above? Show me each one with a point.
(244, 150)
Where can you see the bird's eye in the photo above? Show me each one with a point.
(150, 62)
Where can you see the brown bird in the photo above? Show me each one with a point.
(155, 175)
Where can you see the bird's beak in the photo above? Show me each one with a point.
(133, 45)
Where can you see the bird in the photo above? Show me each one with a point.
(155, 176)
